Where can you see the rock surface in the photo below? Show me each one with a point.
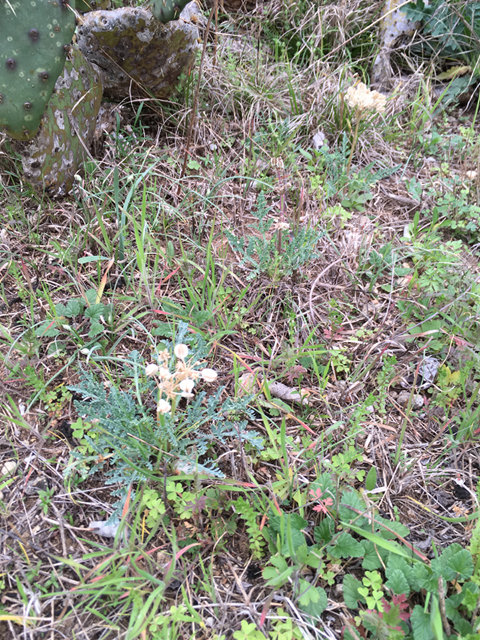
(135, 53)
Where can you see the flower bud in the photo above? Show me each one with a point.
(209, 375)
(151, 369)
(181, 351)
(187, 385)
(163, 407)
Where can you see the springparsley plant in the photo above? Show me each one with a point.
(128, 443)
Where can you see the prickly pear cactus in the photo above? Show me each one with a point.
(393, 25)
(33, 38)
(91, 5)
(135, 52)
(167, 10)
(55, 155)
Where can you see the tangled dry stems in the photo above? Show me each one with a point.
(237, 111)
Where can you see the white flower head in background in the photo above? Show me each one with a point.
(181, 351)
(151, 369)
(187, 387)
(209, 375)
(362, 98)
(471, 175)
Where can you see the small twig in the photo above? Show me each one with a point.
(216, 35)
(441, 602)
(62, 529)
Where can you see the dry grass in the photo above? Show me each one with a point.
(335, 304)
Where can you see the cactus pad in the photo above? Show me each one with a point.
(167, 10)
(394, 24)
(33, 39)
(91, 5)
(135, 52)
(55, 155)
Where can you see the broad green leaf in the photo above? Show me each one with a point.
(421, 624)
(453, 614)
(279, 562)
(371, 479)
(424, 578)
(396, 562)
(95, 311)
(276, 578)
(324, 482)
(277, 575)
(346, 547)
(352, 499)
(323, 533)
(290, 534)
(95, 329)
(296, 522)
(310, 556)
(462, 564)
(395, 526)
(47, 331)
(470, 598)
(398, 583)
(443, 566)
(316, 607)
(350, 591)
(307, 593)
(371, 559)
(72, 309)
(91, 296)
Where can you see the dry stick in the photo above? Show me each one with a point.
(441, 602)
(62, 529)
(216, 35)
(195, 99)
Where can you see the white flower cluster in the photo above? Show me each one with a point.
(362, 98)
(179, 383)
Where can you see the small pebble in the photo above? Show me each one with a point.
(404, 396)
(319, 140)
(9, 467)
